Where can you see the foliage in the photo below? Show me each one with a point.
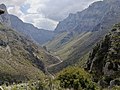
(116, 88)
(76, 78)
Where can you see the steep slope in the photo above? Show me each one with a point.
(17, 57)
(88, 27)
(20, 58)
(38, 35)
(104, 60)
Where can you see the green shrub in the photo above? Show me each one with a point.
(76, 78)
(116, 88)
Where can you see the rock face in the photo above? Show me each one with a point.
(104, 60)
(2, 12)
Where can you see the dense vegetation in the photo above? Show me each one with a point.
(70, 78)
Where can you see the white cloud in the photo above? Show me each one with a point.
(13, 2)
(15, 11)
(45, 13)
(40, 21)
(48, 23)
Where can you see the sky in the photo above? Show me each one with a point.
(45, 14)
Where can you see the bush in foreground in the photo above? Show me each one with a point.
(75, 78)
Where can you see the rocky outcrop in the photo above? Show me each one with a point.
(3, 43)
(1, 12)
(4, 18)
(104, 60)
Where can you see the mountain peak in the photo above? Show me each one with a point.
(3, 7)
(4, 18)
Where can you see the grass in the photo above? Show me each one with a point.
(54, 44)
(82, 61)
(64, 50)
(71, 46)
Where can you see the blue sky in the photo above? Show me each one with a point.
(25, 7)
(45, 14)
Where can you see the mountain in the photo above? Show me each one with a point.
(104, 59)
(20, 58)
(38, 35)
(79, 32)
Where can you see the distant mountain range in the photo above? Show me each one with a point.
(38, 35)
(79, 32)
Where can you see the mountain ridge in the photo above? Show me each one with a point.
(40, 36)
